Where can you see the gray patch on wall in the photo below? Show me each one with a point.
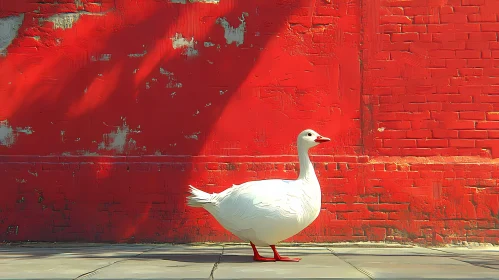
(66, 20)
(8, 135)
(234, 34)
(9, 28)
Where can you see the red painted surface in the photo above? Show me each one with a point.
(102, 148)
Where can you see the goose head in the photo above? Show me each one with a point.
(309, 138)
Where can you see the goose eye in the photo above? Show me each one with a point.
(309, 134)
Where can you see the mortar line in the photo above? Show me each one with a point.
(365, 272)
(215, 265)
(118, 261)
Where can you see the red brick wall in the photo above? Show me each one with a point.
(102, 148)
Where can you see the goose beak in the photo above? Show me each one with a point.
(321, 139)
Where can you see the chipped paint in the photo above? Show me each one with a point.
(179, 42)
(9, 28)
(103, 57)
(8, 134)
(207, 104)
(222, 92)
(148, 85)
(135, 71)
(195, 114)
(172, 81)
(66, 20)
(208, 44)
(233, 34)
(173, 94)
(119, 140)
(195, 1)
(135, 55)
(193, 136)
(33, 173)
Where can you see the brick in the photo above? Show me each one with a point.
(390, 28)
(482, 18)
(472, 2)
(405, 37)
(483, 36)
(442, 53)
(477, 45)
(399, 143)
(472, 134)
(494, 134)
(460, 124)
(468, 54)
(395, 19)
(472, 116)
(462, 143)
(418, 134)
(487, 125)
(432, 143)
(453, 18)
(494, 27)
(426, 19)
(420, 28)
(493, 116)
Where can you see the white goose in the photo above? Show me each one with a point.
(269, 211)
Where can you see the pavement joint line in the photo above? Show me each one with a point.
(93, 272)
(365, 272)
(215, 265)
(454, 257)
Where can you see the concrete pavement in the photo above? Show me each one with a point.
(231, 261)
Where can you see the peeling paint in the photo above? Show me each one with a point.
(103, 57)
(208, 44)
(172, 83)
(9, 28)
(66, 20)
(119, 140)
(138, 54)
(178, 42)
(8, 134)
(233, 34)
(195, 1)
(193, 136)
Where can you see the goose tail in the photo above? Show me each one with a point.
(198, 198)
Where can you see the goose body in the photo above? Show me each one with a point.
(268, 211)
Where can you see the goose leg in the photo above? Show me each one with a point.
(257, 257)
(277, 257)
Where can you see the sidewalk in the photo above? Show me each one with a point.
(228, 261)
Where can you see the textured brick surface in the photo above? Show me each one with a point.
(109, 109)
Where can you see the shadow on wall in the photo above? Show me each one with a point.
(76, 72)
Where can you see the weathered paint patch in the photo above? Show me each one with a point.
(135, 55)
(103, 57)
(9, 28)
(193, 136)
(172, 81)
(8, 134)
(208, 44)
(179, 42)
(66, 20)
(119, 140)
(195, 1)
(234, 34)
